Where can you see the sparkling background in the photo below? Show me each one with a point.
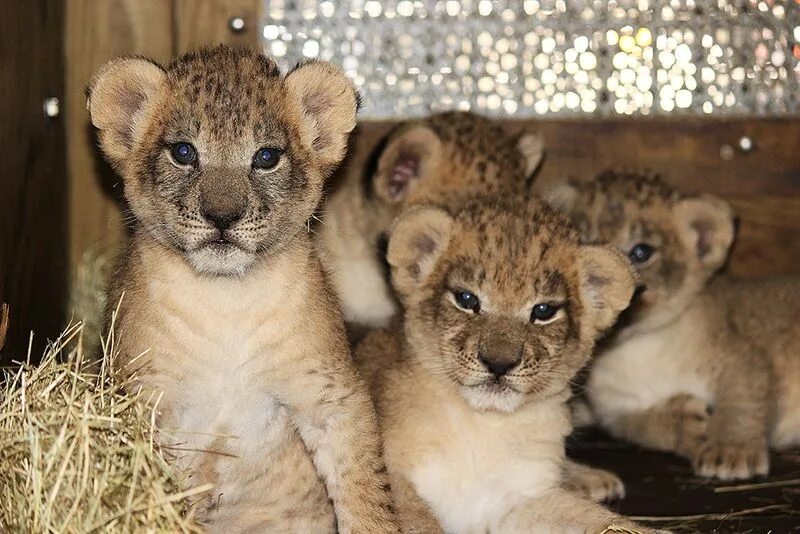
(536, 57)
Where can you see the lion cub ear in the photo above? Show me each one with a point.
(409, 156)
(561, 197)
(116, 100)
(531, 146)
(330, 103)
(706, 226)
(417, 239)
(608, 282)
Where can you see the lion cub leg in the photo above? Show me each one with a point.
(678, 424)
(736, 446)
(335, 418)
(595, 484)
(415, 516)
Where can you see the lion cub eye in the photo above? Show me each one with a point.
(467, 300)
(543, 312)
(183, 153)
(640, 253)
(266, 158)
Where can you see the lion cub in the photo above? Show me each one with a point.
(226, 315)
(442, 159)
(502, 307)
(692, 340)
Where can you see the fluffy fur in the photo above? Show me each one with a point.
(471, 450)
(702, 365)
(443, 159)
(226, 317)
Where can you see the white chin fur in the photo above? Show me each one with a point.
(480, 399)
(230, 261)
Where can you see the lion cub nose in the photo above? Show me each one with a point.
(222, 219)
(222, 201)
(499, 364)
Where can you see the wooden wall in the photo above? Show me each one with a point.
(33, 177)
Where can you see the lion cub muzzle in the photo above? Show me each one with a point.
(223, 202)
(499, 354)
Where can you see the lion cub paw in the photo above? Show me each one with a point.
(595, 484)
(691, 415)
(631, 529)
(731, 461)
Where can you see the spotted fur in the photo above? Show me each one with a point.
(694, 342)
(470, 450)
(230, 329)
(445, 159)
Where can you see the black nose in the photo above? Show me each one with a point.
(499, 365)
(223, 219)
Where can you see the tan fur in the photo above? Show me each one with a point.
(232, 330)
(484, 452)
(694, 341)
(444, 159)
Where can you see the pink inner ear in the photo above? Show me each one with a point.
(405, 167)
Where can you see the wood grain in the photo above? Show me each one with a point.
(33, 208)
(200, 23)
(97, 31)
(4, 317)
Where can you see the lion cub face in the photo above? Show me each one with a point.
(501, 299)
(223, 157)
(675, 242)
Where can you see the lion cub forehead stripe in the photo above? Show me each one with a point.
(229, 89)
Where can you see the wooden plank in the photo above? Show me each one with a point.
(33, 208)
(686, 151)
(96, 31)
(767, 240)
(4, 312)
(208, 22)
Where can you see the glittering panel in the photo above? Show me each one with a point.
(536, 57)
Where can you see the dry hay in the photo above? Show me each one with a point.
(77, 453)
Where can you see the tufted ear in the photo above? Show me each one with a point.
(417, 239)
(608, 282)
(561, 197)
(409, 155)
(117, 98)
(706, 225)
(531, 145)
(329, 103)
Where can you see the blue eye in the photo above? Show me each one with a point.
(543, 312)
(467, 300)
(183, 153)
(266, 158)
(640, 253)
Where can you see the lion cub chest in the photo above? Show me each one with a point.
(649, 368)
(211, 347)
(472, 467)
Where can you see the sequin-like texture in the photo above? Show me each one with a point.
(536, 57)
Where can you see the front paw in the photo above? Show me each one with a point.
(691, 422)
(730, 461)
(595, 484)
(627, 527)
